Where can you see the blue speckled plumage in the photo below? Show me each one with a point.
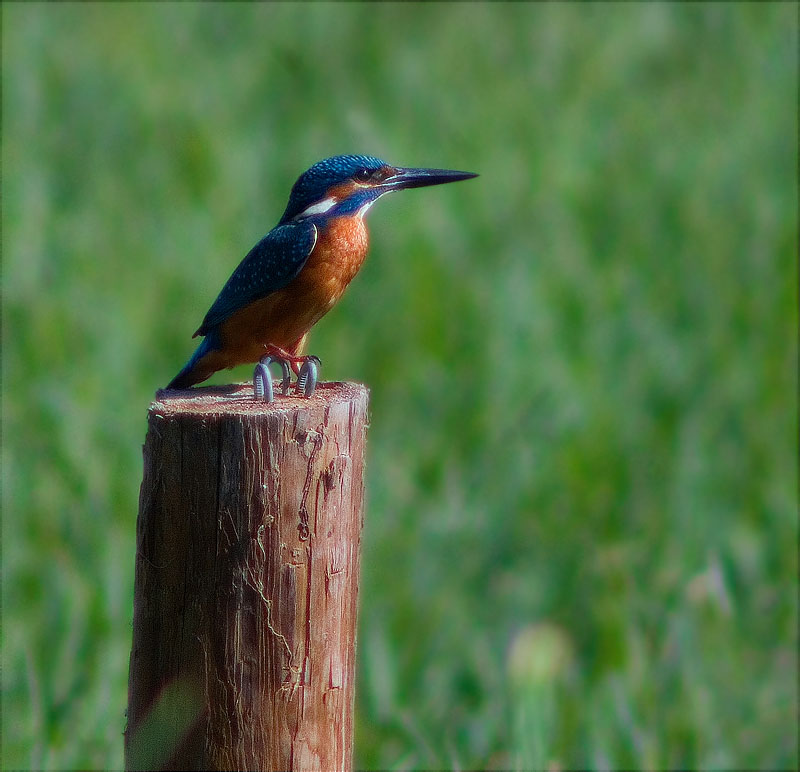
(298, 271)
(270, 265)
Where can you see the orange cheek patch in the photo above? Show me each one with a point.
(341, 192)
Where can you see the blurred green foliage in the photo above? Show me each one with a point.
(583, 364)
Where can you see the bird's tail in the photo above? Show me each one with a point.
(196, 369)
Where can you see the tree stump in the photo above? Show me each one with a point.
(246, 589)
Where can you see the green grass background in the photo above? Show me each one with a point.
(581, 536)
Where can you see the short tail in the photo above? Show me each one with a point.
(196, 370)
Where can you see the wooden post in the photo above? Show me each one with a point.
(246, 590)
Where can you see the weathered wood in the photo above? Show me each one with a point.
(247, 569)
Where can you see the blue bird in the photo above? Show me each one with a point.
(299, 270)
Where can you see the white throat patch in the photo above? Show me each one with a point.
(361, 212)
(365, 207)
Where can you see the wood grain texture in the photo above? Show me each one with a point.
(247, 569)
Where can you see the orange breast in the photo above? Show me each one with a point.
(285, 316)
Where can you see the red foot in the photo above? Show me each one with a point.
(295, 362)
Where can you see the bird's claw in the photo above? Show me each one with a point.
(262, 380)
(306, 379)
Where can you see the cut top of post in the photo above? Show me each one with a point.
(238, 399)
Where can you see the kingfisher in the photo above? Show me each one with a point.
(291, 278)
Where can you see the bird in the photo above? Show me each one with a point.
(296, 273)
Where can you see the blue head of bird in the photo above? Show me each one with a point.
(347, 184)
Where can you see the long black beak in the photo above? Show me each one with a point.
(418, 178)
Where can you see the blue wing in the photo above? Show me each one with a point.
(269, 265)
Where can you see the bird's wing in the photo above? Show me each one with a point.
(269, 265)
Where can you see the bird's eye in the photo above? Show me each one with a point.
(363, 175)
